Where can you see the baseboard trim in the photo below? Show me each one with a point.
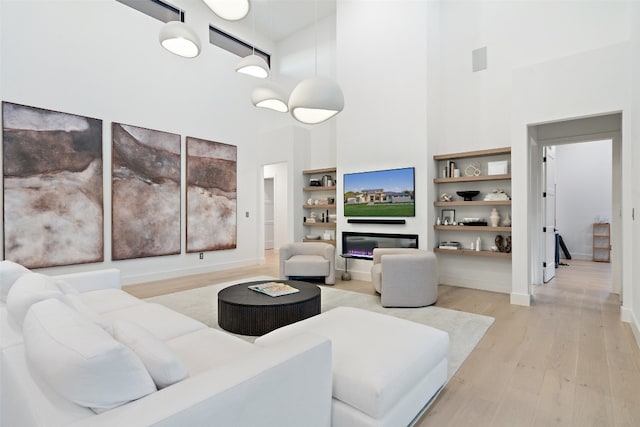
(520, 299)
(628, 316)
(133, 279)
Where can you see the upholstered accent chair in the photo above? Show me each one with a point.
(405, 277)
(308, 259)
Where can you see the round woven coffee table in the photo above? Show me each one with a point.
(246, 312)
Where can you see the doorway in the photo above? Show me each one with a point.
(275, 212)
(269, 213)
(599, 173)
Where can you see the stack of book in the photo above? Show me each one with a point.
(450, 245)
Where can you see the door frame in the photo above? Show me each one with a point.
(536, 144)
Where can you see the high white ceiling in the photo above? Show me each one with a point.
(278, 19)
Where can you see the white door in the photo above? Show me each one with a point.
(268, 213)
(549, 206)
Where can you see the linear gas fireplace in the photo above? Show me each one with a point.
(361, 245)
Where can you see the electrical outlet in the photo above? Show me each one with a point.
(201, 255)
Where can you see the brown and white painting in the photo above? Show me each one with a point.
(211, 195)
(53, 204)
(146, 192)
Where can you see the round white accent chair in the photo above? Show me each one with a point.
(405, 277)
(308, 259)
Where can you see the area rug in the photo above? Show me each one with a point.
(465, 329)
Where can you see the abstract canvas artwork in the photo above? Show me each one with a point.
(53, 196)
(211, 195)
(146, 192)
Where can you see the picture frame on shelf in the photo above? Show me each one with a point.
(447, 216)
(498, 168)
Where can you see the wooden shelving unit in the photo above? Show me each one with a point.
(327, 191)
(448, 184)
(601, 242)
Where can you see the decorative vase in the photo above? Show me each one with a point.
(495, 217)
(507, 220)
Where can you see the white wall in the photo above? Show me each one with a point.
(476, 107)
(632, 295)
(66, 56)
(583, 193)
(383, 125)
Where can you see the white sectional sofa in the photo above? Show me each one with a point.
(88, 345)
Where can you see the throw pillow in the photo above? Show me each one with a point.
(9, 273)
(29, 289)
(163, 366)
(80, 360)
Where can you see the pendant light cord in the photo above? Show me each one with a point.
(315, 30)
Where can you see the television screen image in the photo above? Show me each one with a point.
(380, 193)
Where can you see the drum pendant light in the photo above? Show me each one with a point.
(231, 10)
(317, 99)
(179, 39)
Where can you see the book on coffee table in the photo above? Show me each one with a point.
(274, 289)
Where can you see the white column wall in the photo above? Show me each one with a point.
(631, 297)
(382, 67)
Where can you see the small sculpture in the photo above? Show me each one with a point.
(446, 197)
(497, 194)
(473, 169)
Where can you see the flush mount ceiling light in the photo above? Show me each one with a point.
(270, 97)
(179, 39)
(315, 100)
(253, 65)
(231, 10)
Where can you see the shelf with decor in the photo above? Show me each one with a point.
(474, 203)
(463, 177)
(471, 228)
(320, 202)
(492, 254)
(502, 177)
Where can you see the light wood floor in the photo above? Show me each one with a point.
(565, 361)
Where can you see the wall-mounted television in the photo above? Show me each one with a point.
(387, 192)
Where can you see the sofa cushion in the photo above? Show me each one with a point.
(163, 365)
(9, 273)
(105, 300)
(29, 289)
(377, 359)
(215, 348)
(161, 321)
(81, 361)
